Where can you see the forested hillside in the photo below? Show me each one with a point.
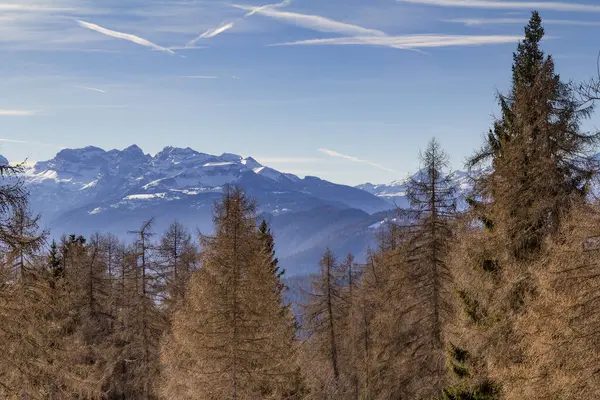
(498, 301)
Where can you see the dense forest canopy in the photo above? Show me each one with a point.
(495, 302)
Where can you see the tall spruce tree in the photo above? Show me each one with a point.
(541, 168)
(541, 161)
(266, 237)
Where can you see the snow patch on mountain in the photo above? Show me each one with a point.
(147, 196)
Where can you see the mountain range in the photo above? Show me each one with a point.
(395, 192)
(91, 190)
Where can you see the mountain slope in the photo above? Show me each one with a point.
(92, 190)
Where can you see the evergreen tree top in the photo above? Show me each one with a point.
(264, 227)
(529, 57)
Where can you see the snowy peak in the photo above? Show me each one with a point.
(184, 167)
(251, 163)
(133, 153)
(121, 179)
(92, 190)
(176, 154)
(395, 191)
(69, 159)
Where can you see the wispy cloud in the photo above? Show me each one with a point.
(124, 36)
(27, 142)
(261, 8)
(510, 5)
(31, 7)
(408, 42)
(197, 77)
(253, 10)
(212, 33)
(313, 22)
(520, 21)
(355, 159)
(92, 89)
(16, 113)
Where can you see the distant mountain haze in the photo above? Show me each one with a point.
(91, 190)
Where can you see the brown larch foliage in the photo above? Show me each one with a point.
(541, 170)
(229, 338)
(409, 344)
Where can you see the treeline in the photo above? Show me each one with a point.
(493, 300)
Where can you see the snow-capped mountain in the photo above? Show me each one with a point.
(395, 192)
(88, 190)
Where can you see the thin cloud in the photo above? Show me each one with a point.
(211, 33)
(520, 21)
(356, 160)
(2, 140)
(313, 22)
(198, 77)
(124, 36)
(92, 89)
(510, 5)
(261, 8)
(217, 31)
(16, 113)
(30, 7)
(408, 42)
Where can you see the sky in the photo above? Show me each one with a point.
(347, 90)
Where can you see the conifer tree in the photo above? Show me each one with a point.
(352, 344)
(323, 320)
(541, 168)
(541, 160)
(27, 240)
(418, 289)
(13, 197)
(44, 353)
(229, 338)
(54, 261)
(266, 237)
(432, 197)
(559, 329)
(369, 299)
(126, 381)
(71, 247)
(88, 288)
(146, 323)
(177, 258)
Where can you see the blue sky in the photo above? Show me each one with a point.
(348, 90)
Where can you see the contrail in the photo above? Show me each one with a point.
(124, 36)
